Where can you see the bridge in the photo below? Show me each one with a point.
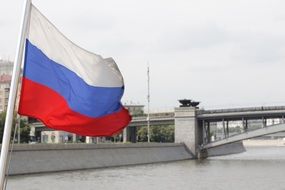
(246, 135)
(207, 119)
(202, 130)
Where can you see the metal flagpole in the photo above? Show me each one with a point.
(148, 102)
(13, 94)
(18, 127)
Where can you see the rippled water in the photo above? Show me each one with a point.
(257, 169)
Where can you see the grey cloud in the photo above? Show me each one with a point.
(184, 38)
(260, 49)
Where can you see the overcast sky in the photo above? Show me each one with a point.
(224, 53)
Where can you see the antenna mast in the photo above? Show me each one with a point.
(148, 102)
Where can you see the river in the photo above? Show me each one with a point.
(259, 168)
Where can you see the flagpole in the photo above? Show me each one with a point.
(13, 93)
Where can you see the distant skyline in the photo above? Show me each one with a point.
(224, 53)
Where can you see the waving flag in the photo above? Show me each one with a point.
(67, 87)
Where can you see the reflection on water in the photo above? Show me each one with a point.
(258, 168)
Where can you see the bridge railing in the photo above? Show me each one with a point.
(262, 108)
(154, 116)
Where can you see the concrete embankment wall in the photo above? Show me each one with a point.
(40, 158)
(233, 148)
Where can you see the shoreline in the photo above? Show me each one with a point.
(262, 143)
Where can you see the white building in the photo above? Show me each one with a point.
(6, 68)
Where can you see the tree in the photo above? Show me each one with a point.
(24, 131)
(142, 134)
(158, 134)
(162, 133)
(24, 128)
(2, 122)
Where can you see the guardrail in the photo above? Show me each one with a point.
(262, 108)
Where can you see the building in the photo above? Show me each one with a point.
(6, 68)
(56, 137)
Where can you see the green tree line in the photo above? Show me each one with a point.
(158, 134)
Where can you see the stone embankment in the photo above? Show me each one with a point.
(41, 158)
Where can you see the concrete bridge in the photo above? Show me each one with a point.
(208, 119)
(202, 130)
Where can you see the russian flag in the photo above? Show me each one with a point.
(67, 87)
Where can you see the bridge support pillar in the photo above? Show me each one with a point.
(187, 130)
(125, 135)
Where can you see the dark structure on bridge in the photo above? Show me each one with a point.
(188, 103)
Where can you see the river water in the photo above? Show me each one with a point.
(260, 168)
